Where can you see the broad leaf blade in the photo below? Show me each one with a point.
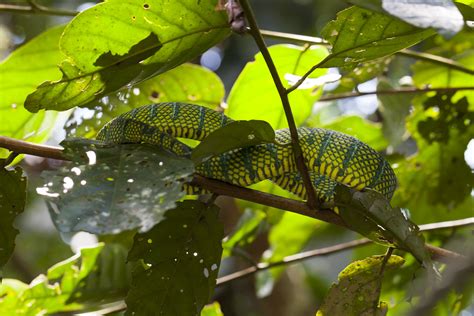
(237, 134)
(122, 187)
(359, 35)
(20, 74)
(358, 289)
(181, 257)
(116, 43)
(254, 96)
(12, 203)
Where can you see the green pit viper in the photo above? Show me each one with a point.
(331, 157)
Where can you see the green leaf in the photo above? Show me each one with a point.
(21, 73)
(359, 35)
(288, 237)
(12, 203)
(213, 309)
(358, 289)
(116, 43)
(186, 83)
(237, 134)
(254, 95)
(364, 130)
(120, 187)
(394, 110)
(369, 213)
(49, 294)
(249, 226)
(180, 258)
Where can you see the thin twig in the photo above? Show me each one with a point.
(34, 8)
(23, 147)
(299, 159)
(446, 62)
(390, 92)
(439, 254)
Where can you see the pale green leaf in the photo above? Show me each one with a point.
(116, 43)
(254, 95)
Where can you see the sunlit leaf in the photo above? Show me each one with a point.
(358, 289)
(254, 95)
(187, 83)
(237, 134)
(20, 74)
(119, 187)
(12, 203)
(359, 35)
(116, 43)
(213, 309)
(180, 258)
(50, 293)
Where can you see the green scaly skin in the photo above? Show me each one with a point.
(331, 157)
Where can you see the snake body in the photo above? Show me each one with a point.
(332, 157)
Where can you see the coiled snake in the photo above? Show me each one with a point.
(332, 157)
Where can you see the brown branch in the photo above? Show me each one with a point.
(34, 8)
(390, 92)
(282, 91)
(23, 147)
(223, 188)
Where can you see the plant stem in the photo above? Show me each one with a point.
(439, 254)
(34, 8)
(390, 92)
(299, 159)
(446, 62)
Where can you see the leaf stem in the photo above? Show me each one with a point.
(299, 159)
(390, 92)
(34, 9)
(445, 62)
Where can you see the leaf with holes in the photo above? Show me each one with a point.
(178, 262)
(116, 43)
(237, 134)
(120, 187)
(359, 35)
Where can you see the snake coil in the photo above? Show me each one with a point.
(332, 157)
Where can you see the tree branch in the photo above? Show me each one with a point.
(299, 159)
(439, 254)
(34, 8)
(223, 188)
(390, 92)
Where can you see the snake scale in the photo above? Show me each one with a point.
(332, 157)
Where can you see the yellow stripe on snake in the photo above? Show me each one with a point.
(332, 157)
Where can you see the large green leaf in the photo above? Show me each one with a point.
(116, 43)
(20, 74)
(186, 83)
(237, 134)
(254, 95)
(120, 187)
(179, 261)
(12, 203)
(359, 35)
(358, 289)
(51, 293)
